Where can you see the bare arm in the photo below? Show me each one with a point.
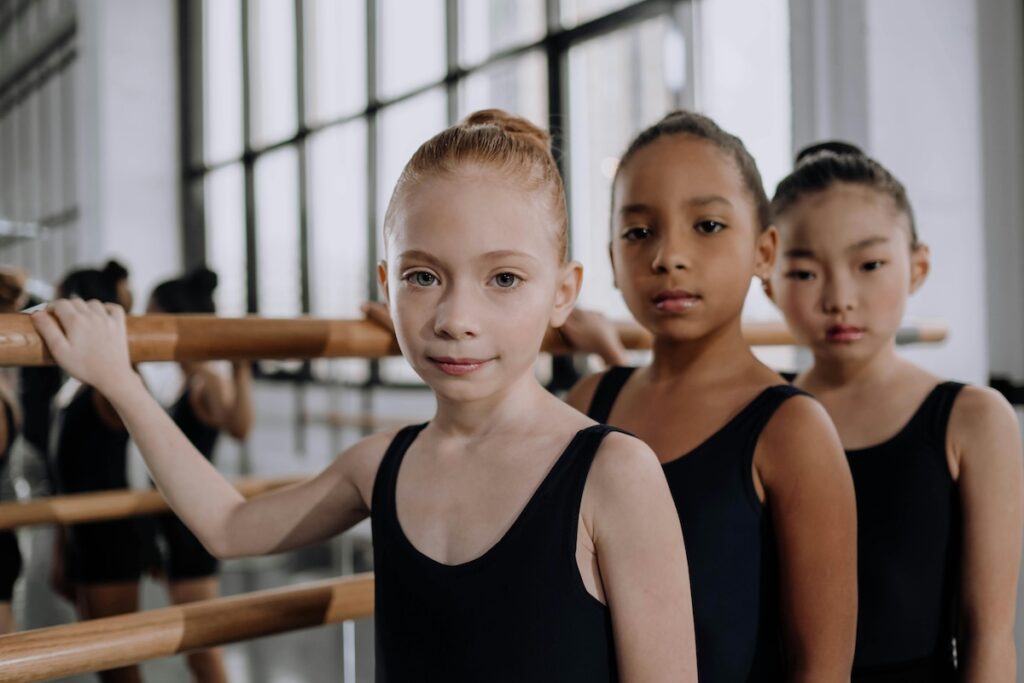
(985, 440)
(226, 404)
(92, 346)
(809, 491)
(642, 562)
(591, 332)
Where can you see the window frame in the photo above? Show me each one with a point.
(555, 45)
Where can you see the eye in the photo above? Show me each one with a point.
(636, 233)
(800, 275)
(709, 227)
(871, 265)
(421, 278)
(506, 280)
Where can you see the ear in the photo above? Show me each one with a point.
(382, 280)
(569, 283)
(765, 251)
(920, 265)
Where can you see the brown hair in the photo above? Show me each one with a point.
(494, 138)
(824, 164)
(696, 125)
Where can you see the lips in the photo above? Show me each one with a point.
(675, 301)
(844, 333)
(458, 366)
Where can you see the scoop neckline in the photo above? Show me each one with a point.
(524, 513)
(902, 431)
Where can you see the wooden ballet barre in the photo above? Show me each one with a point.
(98, 506)
(111, 642)
(195, 337)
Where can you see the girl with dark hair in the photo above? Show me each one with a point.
(936, 464)
(98, 564)
(514, 539)
(208, 405)
(772, 559)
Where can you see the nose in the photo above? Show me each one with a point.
(671, 254)
(456, 317)
(838, 295)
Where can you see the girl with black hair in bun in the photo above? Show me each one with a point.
(209, 404)
(99, 564)
(936, 464)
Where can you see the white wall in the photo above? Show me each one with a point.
(924, 123)
(129, 169)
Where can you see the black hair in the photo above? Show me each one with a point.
(191, 293)
(92, 283)
(681, 122)
(822, 165)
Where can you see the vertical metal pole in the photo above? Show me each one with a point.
(252, 295)
(190, 112)
(451, 29)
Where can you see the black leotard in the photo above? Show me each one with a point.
(730, 544)
(519, 612)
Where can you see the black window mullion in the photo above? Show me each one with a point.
(302, 149)
(248, 159)
(372, 166)
(190, 71)
(451, 26)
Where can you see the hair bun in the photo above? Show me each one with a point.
(202, 279)
(837, 147)
(516, 126)
(113, 271)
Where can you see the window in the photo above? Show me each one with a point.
(309, 109)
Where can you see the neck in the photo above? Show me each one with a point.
(510, 410)
(718, 354)
(832, 373)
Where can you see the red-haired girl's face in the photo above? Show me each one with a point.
(685, 238)
(474, 279)
(845, 270)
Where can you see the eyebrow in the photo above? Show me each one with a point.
(805, 252)
(507, 253)
(635, 208)
(415, 254)
(869, 242)
(704, 200)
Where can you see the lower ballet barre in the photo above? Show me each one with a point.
(194, 337)
(111, 642)
(99, 506)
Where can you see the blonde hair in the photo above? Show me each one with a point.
(497, 139)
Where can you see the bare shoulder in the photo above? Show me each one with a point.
(798, 422)
(800, 434)
(624, 466)
(582, 393)
(982, 420)
(360, 461)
